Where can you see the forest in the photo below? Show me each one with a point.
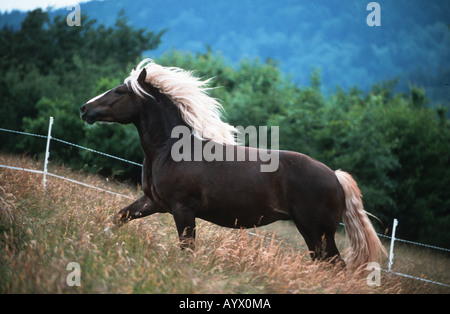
(395, 145)
(412, 44)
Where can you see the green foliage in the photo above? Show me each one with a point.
(64, 113)
(396, 147)
(50, 69)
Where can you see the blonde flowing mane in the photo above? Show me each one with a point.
(190, 94)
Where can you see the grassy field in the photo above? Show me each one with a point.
(42, 232)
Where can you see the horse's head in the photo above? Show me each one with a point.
(163, 98)
(120, 104)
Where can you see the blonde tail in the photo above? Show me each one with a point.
(364, 242)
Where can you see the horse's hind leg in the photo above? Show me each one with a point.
(320, 242)
(331, 252)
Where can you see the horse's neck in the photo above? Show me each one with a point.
(155, 130)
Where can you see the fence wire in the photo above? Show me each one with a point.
(96, 151)
(67, 179)
(23, 133)
(75, 145)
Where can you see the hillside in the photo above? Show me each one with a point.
(41, 233)
(411, 45)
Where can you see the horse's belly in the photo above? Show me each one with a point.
(242, 217)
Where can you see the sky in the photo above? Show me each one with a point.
(26, 5)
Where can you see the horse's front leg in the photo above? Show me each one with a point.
(142, 207)
(185, 222)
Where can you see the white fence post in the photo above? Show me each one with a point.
(47, 150)
(391, 250)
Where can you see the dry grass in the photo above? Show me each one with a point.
(41, 233)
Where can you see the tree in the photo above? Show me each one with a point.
(50, 69)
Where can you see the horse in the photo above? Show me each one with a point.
(234, 194)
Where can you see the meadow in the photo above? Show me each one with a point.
(41, 232)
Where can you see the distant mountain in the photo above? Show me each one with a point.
(412, 43)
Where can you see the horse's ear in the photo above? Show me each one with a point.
(142, 76)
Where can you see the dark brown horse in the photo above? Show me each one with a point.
(236, 193)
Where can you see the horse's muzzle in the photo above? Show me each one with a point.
(85, 116)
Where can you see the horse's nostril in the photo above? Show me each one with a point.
(83, 109)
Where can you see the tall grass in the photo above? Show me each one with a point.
(42, 232)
